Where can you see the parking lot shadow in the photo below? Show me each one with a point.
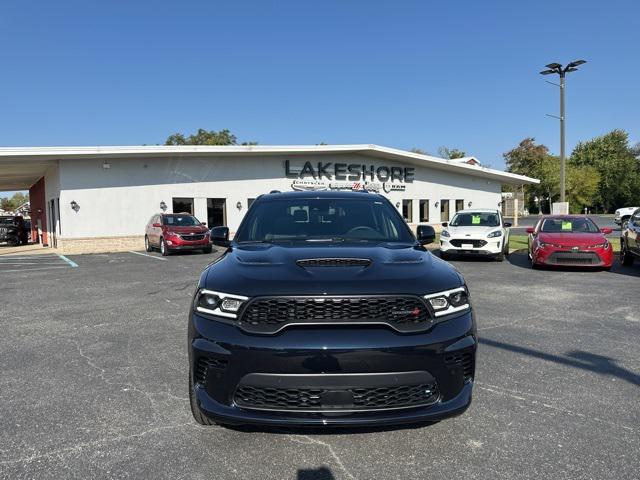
(322, 473)
(575, 358)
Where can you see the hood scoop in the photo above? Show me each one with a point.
(334, 262)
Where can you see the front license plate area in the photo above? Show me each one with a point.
(467, 246)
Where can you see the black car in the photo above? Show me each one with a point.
(12, 230)
(325, 310)
(630, 240)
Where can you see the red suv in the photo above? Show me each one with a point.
(170, 232)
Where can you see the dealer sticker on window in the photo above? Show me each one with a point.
(566, 226)
(475, 220)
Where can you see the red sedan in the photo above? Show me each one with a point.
(568, 240)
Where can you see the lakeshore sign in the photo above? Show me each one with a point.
(350, 172)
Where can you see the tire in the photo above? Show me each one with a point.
(626, 258)
(207, 250)
(198, 416)
(164, 250)
(500, 257)
(444, 255)
(147, 245)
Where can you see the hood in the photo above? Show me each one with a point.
(472, 232)
(572, 239)
(268, 269)
(193, 229)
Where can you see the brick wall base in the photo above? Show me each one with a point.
(100, 244)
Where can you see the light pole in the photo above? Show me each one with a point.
(562, 71)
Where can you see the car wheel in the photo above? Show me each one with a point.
(207, 250)
(500, 257)
(147, 245)
(163, 247)
(198, 416)
(444, 255)
(625, 257)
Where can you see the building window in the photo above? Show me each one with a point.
(459, 205)
(424, 211)
(407, 210)
(444, 210)
(250, 202)
(183, 205)
(216, 212)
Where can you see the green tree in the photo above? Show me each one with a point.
(17, 200)
(205, 137)
(618, 168)
(451, 153)
(533, 160)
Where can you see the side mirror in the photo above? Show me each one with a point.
(426, 234)
(507, 224)
(607, 230)
(203, 224)
(156, 225)
(530, 230)
(445, 224)
(220, 236)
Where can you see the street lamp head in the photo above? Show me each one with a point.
(570, 69)
(576, 63)
(553, 65)
(547, 72)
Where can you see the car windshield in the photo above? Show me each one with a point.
(8, 221)
(569, 225)
(476, 219)
(323, 220)
(180, 220)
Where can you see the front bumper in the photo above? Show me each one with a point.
(472, 246)
(564, 257)
(328, 356)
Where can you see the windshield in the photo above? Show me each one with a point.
(569, 225)
(476, 219)
(8, 221)
(180, 220)
(334, 219)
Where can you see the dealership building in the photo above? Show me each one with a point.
(101, 198)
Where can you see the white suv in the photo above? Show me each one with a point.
(622, 216)
(475, 232)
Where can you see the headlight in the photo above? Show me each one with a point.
(218, 303)
(600, 245)
(544, 244)
(444, 233)
(495, 234)
(449, 301)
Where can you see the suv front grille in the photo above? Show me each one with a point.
(312, 399)
(270, 314)
(192, 238)
(476, 243)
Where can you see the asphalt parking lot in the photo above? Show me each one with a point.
(94, 382)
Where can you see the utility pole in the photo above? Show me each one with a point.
(562, 72)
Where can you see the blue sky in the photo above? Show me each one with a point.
(397, 73)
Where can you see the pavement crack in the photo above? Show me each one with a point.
(58, 452)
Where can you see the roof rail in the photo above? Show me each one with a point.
(275, 191)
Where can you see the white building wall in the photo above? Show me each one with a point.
(119, 200)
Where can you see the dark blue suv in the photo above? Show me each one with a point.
(325, 309)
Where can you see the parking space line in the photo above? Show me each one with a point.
(70, 262)
(24, 270)
(150, 256)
